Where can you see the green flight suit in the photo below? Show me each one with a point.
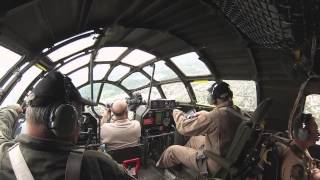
(47, 158)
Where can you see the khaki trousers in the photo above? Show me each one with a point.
(185, 155)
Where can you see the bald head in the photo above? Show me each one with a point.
(119, 108)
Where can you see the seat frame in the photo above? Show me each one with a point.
(241, 137)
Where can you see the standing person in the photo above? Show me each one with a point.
(54, 107)
(212, 131)
(297, 163)
(120, 132)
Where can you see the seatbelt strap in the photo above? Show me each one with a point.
(73, 167)
(19, 165)
(201, 161)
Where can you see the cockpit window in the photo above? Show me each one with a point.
(118, 72)
(79, 77)
(135, 80)
(145, 92)
(85, 91)
(190, 64)
(98, 109)
(100, 70)
(312, 105)
(176, 91)
(200, 89)
(74, 64)
(162, 71)
(8, 59)
(72, 47)
(17, 91)
(244, 94)
(109, 53)
(111, 93)
(137, 57)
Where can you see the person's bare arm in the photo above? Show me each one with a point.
(106, 116)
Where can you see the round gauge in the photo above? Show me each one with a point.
(172, 104)
(166, 121)
(154, 105)
(166, 104)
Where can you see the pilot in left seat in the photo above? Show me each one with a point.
(44, 152)
(120, 132)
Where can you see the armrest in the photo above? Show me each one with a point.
(226, 164)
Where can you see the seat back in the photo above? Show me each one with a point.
(245, 129)
(129, 157)
(241, 137)
(126, 153)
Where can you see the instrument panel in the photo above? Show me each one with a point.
(157, 118)
(162, 104)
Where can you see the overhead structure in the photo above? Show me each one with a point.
(261, 41)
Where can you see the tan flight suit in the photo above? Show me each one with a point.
(296, 164)
(214, 130)
(121, 133)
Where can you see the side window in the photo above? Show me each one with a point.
(200, 88)
(244, 94)
(176, 91)
(312, 105)
(190, 64)
(8, 59)
(17, 90)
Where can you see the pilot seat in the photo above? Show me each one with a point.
(241, 148)
(130, 157)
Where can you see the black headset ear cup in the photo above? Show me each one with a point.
(301, 130)
(63, 120)
(303, 134)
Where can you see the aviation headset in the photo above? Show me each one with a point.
(63, 116)
(219, 90)
(301, 127)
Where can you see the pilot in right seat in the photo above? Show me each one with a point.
(212, 131)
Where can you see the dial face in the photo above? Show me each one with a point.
(172, 104)
(154, 104)
(166, 121)
(166, 104)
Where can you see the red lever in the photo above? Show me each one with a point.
(135, 161)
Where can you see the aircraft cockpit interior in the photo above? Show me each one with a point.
(163, 56)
